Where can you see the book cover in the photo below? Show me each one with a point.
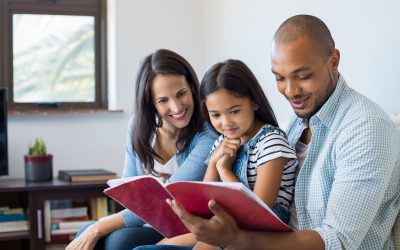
(146, 195)
(83, 175)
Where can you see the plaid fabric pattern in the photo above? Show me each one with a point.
(348, 188)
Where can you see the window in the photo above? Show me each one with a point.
(53, 54)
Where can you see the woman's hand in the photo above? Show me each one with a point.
(86, 241)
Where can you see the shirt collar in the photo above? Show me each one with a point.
(326, 114)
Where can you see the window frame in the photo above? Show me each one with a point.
(95, 8)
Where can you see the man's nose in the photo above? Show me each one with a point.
(292, 89)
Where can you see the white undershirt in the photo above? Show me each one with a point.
(301, 152)
(168, 168)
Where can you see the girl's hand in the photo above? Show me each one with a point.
(225, 163)
(227, 147)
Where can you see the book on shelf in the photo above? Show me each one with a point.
(57, 212)
(12, 214)
(86, 175)
(146, 197)
(14, 226)
(12, 217)
(69, 212)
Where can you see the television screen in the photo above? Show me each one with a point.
(3, 133)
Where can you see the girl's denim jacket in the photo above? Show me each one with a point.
(239, 167)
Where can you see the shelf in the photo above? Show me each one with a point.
(14, 235)
(32, 196)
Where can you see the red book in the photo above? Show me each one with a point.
(145, 196)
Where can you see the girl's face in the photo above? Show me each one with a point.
(231, 115)
(173, 100)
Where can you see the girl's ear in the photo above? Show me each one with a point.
(255, 106)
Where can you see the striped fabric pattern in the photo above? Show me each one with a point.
(269, 146)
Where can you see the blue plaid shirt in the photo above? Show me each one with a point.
(348, 187)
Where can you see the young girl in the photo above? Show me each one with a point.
(251, 148)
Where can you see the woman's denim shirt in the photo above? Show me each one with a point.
(191, 164)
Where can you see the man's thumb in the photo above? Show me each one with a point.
(216, 209)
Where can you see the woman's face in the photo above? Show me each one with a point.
(173, 100)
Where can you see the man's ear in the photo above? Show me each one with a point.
(334, 60)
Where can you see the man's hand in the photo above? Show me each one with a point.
(220, 230)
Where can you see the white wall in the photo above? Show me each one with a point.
(97, 140)
(204, 32)
(366, 33)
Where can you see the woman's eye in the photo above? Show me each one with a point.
(180, 94)
(215, 115)
(235, 111)
(162, 101)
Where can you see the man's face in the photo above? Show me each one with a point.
(304, 77)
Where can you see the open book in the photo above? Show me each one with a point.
(145, 196)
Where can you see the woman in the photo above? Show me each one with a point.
(167, 138)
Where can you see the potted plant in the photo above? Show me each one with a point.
(38, 164)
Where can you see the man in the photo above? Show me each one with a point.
(347, 188)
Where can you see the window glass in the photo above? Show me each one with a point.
(53, 58)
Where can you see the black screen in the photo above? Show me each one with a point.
(3, 133)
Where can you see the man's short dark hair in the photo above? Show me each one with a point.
(310, 26)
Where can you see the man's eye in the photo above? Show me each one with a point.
(304, 77)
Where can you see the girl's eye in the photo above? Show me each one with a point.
(235, 111)
(162, 101)
(214, 115)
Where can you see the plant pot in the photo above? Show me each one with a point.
(38, 168)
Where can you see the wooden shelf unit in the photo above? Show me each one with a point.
(31, 196)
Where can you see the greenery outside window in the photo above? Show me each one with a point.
(53, 54)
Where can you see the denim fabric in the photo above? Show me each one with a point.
(163, 247)
(191, 166)
(240, 168)
(242, 156)
(125, 238)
